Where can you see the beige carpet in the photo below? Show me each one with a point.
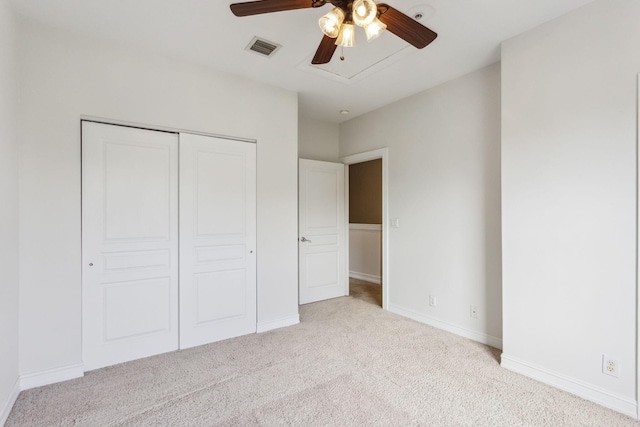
(365, 291)
(348, 363)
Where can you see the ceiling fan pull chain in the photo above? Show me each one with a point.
(342, 53)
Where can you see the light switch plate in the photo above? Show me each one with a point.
(395, 223)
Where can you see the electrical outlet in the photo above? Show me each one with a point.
(432, 300)
(473, 312)
(610, 366)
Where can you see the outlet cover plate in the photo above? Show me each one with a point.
(473, 312)
(610, 366)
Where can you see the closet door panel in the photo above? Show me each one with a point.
(130, 243)
(217, 239)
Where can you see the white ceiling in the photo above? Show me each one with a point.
(205, 32)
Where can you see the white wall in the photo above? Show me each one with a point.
(63, 77)
(444, 187)
(318, 140)
(8, 217)
(569, 200)
(365, 246)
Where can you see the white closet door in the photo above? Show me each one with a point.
(217, 239)
(130, 243)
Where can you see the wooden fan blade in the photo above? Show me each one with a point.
(404, 27)
(267, 6)
(325, 51)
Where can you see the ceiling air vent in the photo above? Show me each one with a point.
(263, 47)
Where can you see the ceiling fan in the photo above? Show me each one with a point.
(338, 24)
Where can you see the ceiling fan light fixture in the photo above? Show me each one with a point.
(347, 36)
(331, 22)
(374, 29)
(364, 12)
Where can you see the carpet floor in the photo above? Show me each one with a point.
(348, 363)
(365, 291)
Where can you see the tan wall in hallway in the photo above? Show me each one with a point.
(365, 192)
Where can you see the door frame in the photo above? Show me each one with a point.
(159, 128)
(381, 153)
(637, 248)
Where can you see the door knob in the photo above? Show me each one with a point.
(304, 239)
(90, 264)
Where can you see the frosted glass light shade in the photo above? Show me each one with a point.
(364, 12)
(331, 22)
(374, 29)
(347, 35)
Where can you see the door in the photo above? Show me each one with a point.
(129, 243)
(321, 217)
(217, 239)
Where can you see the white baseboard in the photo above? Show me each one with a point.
(278, 323)
(8, 405)
(366, 277)
(50, 376)
(587, 391)
(449, 327)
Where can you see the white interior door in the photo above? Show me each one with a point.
(322, 246)
(217, 239)
(129, 243)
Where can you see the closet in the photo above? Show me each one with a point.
(168, 241)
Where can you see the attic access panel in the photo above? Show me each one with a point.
(362, 60)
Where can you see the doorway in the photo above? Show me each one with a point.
(365, 231)
(368, 232)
